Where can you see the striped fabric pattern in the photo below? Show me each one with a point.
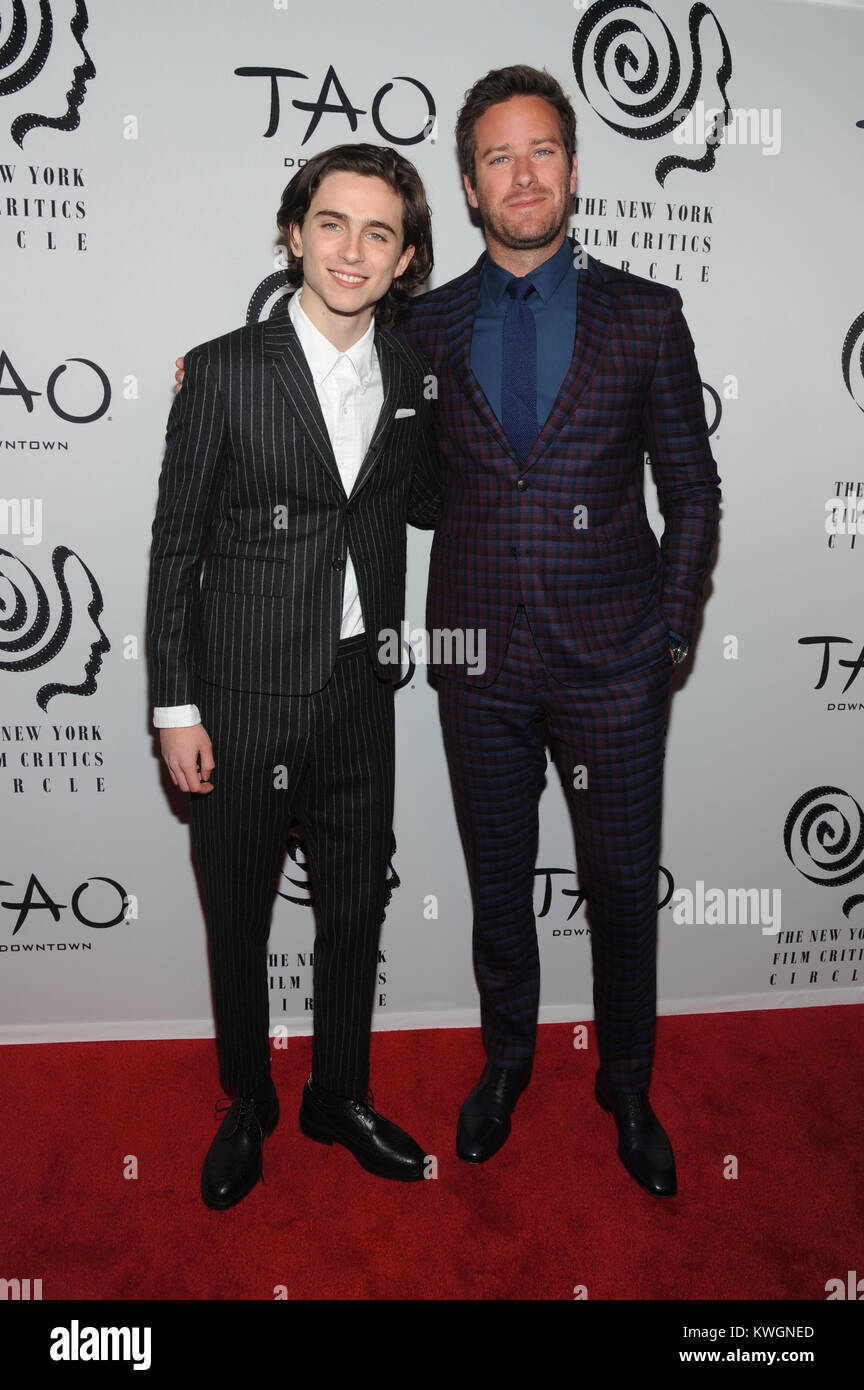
(326, 760)
(300, 728)
(250, 481)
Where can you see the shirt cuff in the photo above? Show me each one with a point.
(176, 716)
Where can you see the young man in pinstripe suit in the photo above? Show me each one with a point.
(296, 450)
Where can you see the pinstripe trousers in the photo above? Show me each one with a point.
(616, 731)
(327, 760)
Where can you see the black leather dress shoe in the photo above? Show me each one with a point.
(643, 1144)
(233, 1163)
(378, 1145)
(484, 1120)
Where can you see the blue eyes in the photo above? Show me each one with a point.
(337, 226)
(499, 157)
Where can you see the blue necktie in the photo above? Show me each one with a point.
(519, 369)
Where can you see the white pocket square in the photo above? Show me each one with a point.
(403, 412)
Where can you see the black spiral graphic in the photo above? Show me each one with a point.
(273, 287)
(26, 616)
(824, 839)
(14, 79)
(296, 847)
(712, 419)
(853, 361)
(647, 73)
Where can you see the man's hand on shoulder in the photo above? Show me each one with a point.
(180, 373)
(188, 756)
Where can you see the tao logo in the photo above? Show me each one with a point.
(23, 391)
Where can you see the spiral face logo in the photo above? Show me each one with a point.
(40, 628)
(853, 361)
(824, 839)
(629, 69)
(44, 66)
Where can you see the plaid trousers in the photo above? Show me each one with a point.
(616, 730)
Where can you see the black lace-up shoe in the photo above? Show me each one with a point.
(378, 1145)
(233, 1163)
(643, 1144)
(484, 1120)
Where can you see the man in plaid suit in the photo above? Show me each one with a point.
(554, 375)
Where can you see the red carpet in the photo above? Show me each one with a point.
(780, 1091)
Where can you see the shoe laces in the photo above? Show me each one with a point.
(635, 1110)
(368, 1101)
(245, 1107)
(223, 1105)
(245, 1110)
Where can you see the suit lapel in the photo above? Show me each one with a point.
(391, 380)
(462, 312)
(593, 319)
(594, 316)
(294, 379)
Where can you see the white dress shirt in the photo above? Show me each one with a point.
(351, 393)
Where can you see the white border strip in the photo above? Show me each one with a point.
(130, 1030)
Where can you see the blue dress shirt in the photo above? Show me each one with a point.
(553, 305)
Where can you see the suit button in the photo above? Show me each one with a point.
(349, 510)
(338, 563)
(514, 553)
(521, 485)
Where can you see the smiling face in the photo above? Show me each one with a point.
(351, 245)
(523, 181)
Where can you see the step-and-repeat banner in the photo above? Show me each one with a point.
(143, 151)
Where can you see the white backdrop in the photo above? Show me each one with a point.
(137, 218)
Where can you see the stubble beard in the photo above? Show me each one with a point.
(534, 241)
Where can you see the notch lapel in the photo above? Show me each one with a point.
(462, 312)
(294, 379)
(391, 381)
(593, 320)
(594, 317)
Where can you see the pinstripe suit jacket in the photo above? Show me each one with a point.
(601, 594)
(250, 485)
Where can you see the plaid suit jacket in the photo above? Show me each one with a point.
(253, 524)
(566, 533)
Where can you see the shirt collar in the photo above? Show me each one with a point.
(320, 353)
(545, 278)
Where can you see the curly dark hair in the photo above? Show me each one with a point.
(375, 161)
(500, 85)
